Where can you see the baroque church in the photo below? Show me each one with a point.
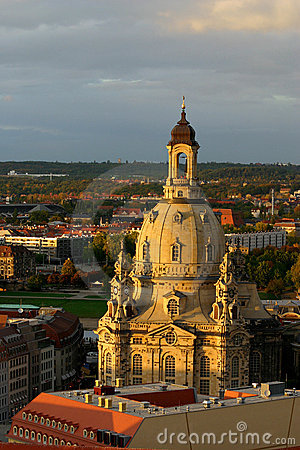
(183, 311)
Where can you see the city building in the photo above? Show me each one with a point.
(37, 354)
(261, 239)
(60, 248)
(17, 360)
(16, 262)
(184, 312)
(159, 416)
(230, 217)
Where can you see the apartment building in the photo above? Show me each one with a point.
(16, 262)
(261, 239)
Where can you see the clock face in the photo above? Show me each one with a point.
(115, 290)
(126, 290)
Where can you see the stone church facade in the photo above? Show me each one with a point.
(183, 311)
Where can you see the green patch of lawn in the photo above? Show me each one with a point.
(96, 296)
(34, 294)
(81, 308)
(267, 296)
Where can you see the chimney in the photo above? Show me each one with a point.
(88, 398)
(108, 402)
(122, 406)
(101, 402)
(119, 382)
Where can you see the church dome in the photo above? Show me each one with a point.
(180, 238)
(183, 132)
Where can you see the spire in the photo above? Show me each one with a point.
(183, 104)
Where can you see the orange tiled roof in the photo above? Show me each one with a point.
(82, 416)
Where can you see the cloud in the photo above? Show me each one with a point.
(7, 98)
(119, 83)
(233, 15)
(29, 128)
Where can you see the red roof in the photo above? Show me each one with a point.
(165, 399)
(81, 415)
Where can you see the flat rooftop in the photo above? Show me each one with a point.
(136, 397)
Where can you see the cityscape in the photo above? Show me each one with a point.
(149, 240)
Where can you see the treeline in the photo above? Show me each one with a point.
(274, 270)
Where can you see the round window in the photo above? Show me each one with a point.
(170, 338)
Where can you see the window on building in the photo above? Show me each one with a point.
(137, 365)
(108, 363)
(255, 366)
(137, 340)
(145, 251)
(173, 308)
(48, 422)
(180, 193)
(204, 387)
(39, 437)
(204, 375)
(216, 312)
(170, 338)
(170, 369)
(21, 432)
(204, 366)
(33, 435)
(237, 340)
(176, 252)
(72, 429)
(66, 427)
(209, 253)
(50, 440)
(45, 438)
(62, 442)
(85, 433)
(235, 372)
(15, 431)
(92, 434)
(56, 441)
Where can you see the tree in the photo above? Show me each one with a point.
(39, 217)
(99, 247)
(295, 273)
(130, 240)
(275, 286)
(76, 280)
(68, 268)
(35, 282)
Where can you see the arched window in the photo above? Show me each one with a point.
(176, 252)
(15, 431)
(235, 372)
(204, 375)
(108, 364)
(145, 251)
(33, 435)
(180, 194)
(234, 313)
(170, 369)
(255, 367)
(209, 253)
(62, 442)
(56, 441)
(45, 439)
(137, 369)
(216, 312)
(50, 440)
(173, 309)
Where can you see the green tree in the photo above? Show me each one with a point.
(39, 217)
(130, 242)
(276, 287)
(295, 273)
(99, 247)
(35, 283)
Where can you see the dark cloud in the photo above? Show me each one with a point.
(95, 80)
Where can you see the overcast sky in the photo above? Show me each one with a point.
(84, 80)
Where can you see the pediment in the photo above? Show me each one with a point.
(174, 294)
(161, 331)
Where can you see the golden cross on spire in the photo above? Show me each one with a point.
(183, 104)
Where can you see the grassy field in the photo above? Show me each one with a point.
(82, 308)
(26, 294)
